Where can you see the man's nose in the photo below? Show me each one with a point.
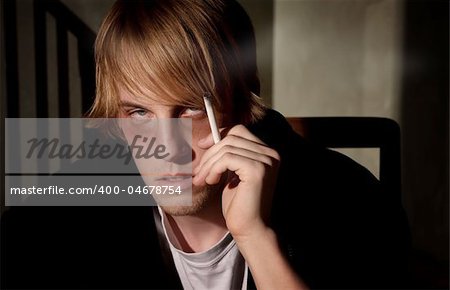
(177, 140)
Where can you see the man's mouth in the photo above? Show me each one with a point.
(175, 177)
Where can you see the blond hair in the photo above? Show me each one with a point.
(177, 50)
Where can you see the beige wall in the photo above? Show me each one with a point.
(347, 58)
(337, 57)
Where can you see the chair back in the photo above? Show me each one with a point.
(358, 132)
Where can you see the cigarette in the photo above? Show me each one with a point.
(211, 117)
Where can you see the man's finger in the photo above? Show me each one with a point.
(239, 142)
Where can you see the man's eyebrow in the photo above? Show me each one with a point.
(130, 104)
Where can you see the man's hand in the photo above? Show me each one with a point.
(251, 168)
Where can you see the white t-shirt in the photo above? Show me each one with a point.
(220, 267)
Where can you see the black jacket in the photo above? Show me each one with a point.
(336, 225)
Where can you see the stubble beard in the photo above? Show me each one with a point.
(201, 198)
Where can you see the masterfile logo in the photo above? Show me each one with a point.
(98, 162)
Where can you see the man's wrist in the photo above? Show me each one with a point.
(269, 267)
(259, 234)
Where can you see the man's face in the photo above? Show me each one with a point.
(142, 109)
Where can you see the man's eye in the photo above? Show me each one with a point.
(191, 112)
(138, 114)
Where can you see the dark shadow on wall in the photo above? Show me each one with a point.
(261, 13)
(425, 122)
(66, 22)
(9, 58)
(18, 92)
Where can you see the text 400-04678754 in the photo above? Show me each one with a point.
(151, 189)
(147, 189)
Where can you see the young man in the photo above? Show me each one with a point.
(154, 61)
(268, 209)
